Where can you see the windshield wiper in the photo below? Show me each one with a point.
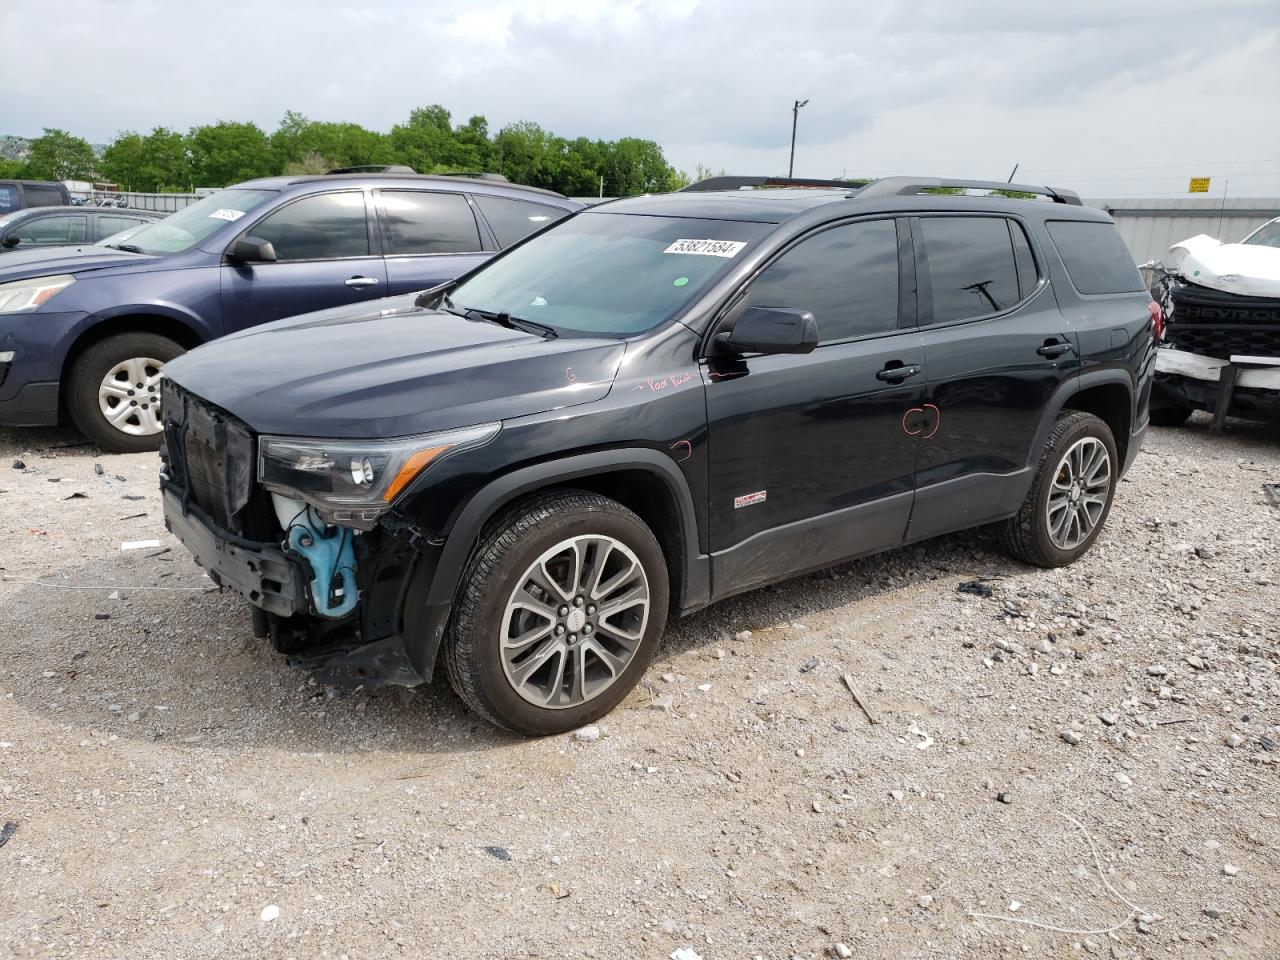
(126, 247)
(507, 320)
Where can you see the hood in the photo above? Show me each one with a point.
(1247, 269)
(20, 264)
(398, 370)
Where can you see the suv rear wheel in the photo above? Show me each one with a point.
(1071, 496)
(563, 604)
(114, 394)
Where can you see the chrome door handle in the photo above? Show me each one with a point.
(362, 281)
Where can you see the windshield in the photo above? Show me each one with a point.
(12, 218)
(608, 274)
(181, 231)
(122, 237)
(1267, 235)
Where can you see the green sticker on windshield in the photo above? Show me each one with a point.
(679, 281)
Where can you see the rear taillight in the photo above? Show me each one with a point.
(1157, 318)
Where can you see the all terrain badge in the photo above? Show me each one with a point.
(748, 499)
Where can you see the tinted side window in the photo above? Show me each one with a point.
(8, 198)
(514, 220)
(52, 230)
(328, 226)
(39, 195)
(970, 270)
(416, 221)
(1022, 258)
(846, 276)
(109, 225)
(1095, 256)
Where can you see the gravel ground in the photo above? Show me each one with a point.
(179, 791)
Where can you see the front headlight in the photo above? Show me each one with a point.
(352, 482)
(23, 295)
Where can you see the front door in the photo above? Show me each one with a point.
(325, 259)
(997, 348)
(812, 457)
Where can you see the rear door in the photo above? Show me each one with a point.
(328, 257)
(996, 348)
(429, 236)
(809, 459)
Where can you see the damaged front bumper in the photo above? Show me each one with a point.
(1221, 353)
(214, 506)
(262, 573)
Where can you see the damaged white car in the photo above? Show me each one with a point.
(1221, 346)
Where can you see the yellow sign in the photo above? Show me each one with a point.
(1198, 185)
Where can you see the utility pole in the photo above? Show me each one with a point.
(795, 116)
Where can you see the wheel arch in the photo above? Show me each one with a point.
(181, 331)
(1107, 394)
(643, 480)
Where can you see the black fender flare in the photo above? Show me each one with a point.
(695, 576)
(1068, 389)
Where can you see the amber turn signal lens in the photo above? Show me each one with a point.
(412, 467)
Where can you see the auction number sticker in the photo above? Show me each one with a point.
(230, 216)
(707, 248)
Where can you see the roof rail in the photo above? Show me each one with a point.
(373, 168)
(908, 186)
(742, 183)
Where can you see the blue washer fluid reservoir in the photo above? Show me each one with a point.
(329, 549)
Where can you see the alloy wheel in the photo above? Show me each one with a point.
(1078, 497)
(574, 621)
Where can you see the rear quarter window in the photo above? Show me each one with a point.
(41, 195)
(514, 220)
(1095, 256)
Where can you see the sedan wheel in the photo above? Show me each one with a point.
(129, 396)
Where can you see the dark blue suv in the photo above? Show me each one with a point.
(84, 332)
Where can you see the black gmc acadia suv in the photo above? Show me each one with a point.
(652, 405)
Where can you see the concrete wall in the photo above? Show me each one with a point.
(1150, 227)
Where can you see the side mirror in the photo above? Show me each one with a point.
(252, 250)
(772, 330)
(11, 241)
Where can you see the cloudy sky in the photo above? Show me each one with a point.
(1112, 98)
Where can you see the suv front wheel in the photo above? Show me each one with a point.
(1071, 495)
(563, 604)
(114, 393)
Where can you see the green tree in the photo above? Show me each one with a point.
(311, 165)
(57, 155)
(159, 161)
(297, 139)
(530, 155)
(226, 152)
(10, 169)
(425, 143)
(636, 166)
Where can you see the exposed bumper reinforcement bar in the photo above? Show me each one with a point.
(260, 572)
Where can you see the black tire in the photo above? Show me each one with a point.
(86, 376)
(507, 549)
(1171, 416)
(1027, 535)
